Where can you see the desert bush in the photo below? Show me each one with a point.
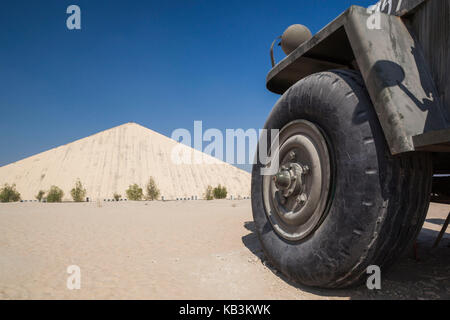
(117, 196)
(40, 195)
(209, 193)
(220, 192)
(55, 194)
(9, 193)
(152, 190)
(78, 193)
(134, 192)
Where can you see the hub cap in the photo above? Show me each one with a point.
(296, 197)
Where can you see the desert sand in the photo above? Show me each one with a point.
(176, 250)
(111, 160)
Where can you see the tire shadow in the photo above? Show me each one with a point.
(426, 278)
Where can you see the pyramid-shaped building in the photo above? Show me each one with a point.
(109, 161)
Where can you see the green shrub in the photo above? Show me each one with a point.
(78, 193)
(134, 193)
(209, 193)
(117, 196)
(40, 195)
(220, 192)
(9, 193)
(152, 190)
(55, 194)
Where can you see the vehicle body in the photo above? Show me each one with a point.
(396, 62)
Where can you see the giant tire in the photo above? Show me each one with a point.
(377, 202)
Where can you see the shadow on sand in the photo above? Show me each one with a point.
(425, 278)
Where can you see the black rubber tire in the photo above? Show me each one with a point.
(379, 201)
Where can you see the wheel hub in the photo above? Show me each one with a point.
(296, 196)
(290, 179)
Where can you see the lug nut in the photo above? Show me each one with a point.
(302, 199)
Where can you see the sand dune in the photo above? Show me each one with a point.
(110, 161)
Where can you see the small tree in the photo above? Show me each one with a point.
(220, 192)
(40, 195)
(78, 193)
(117, 196)
(134, 192)
(152, 190)
(55, 194)
(9, 193)
(209, 193)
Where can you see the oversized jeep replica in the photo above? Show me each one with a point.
(363, 141)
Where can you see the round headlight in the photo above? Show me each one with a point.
(293, 37)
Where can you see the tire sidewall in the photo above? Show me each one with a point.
(343, 111)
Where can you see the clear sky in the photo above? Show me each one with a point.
(162, 64)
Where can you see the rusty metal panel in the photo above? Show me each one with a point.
(431, 26)
(328, 49)
(436, 141)
(406, 71)
(397, 79)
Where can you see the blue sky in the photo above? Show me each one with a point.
(162, 64)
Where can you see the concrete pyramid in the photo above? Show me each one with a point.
(109, 161)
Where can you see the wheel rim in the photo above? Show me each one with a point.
(296, 197)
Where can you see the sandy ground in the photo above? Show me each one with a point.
(176, 250)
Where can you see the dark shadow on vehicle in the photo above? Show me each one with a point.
(425, 278)
(393, 75)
